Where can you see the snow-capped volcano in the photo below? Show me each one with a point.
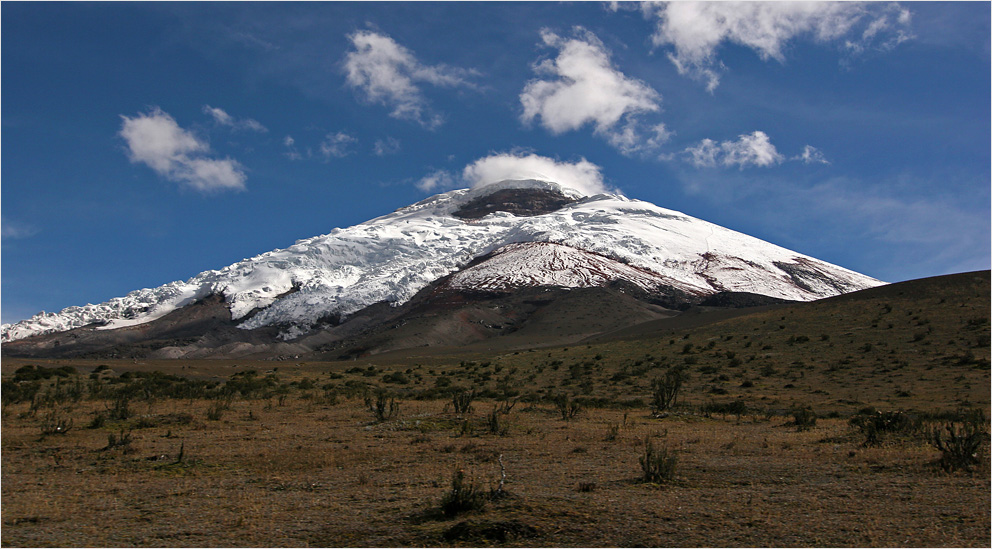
(581, 241)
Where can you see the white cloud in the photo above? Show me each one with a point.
(14, 230)
(630, 139)
(583, 176)
(205, 174)
(387, 73)
(291, 151)
(337, 145)
(581, 86)
(155, 139)
(386, 146)
(697, 29)
(436, 181)
(754, 149)
(812, 155)
(221, 117)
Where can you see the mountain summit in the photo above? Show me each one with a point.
(490, 239)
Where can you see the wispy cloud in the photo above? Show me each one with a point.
(389, 74)
(753, 149)
(923, 235)
(291, 152)
(387, 146)
(581, 86)
(696, 30)
(14, 230)
(221, 118)
(337, 145)
(156, 140)
(812, 155)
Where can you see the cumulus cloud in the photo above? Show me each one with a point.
(337, 145)
(221, 118)
(812, 155)
(754, 149)
(581, 86)
(697, 29)
(156, 140)
(386, 146)
(388, 74)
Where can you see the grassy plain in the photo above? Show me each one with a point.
(241, 453)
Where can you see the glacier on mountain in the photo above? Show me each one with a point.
(391, 258)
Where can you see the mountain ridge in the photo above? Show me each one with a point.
(391, 258)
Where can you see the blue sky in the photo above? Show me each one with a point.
(146, 142)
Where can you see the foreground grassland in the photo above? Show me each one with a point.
(828, 424)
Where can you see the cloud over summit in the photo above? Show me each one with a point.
(582, 175)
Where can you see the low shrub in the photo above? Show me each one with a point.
(496, 425)
(122, 441)
(566, 407)
(658, 465)
(55, 422)
(463, 496)
(665, 390)
(804, 418)
(875, 424)
(462, 401)
(962, 446)
(382, 406)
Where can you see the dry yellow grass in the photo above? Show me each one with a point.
(291, 467)
(314, 474)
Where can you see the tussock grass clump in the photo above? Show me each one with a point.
(804, 418)
(463, 496)
(216, 410)
(567, 407)
(120, 406)
(495, 425)
(658, 464)
(122, 441)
